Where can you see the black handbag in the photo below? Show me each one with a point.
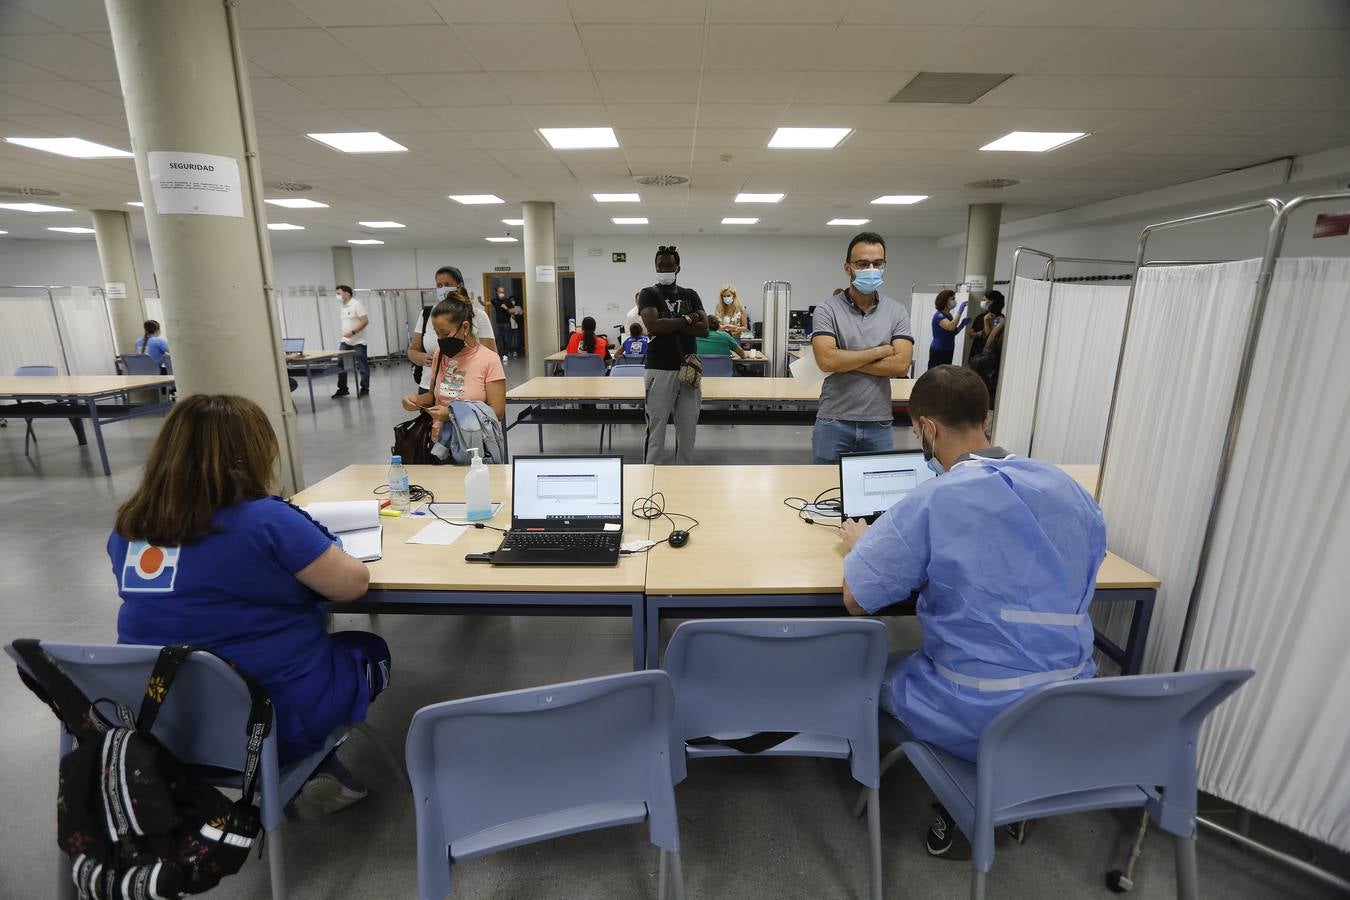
(412, 441)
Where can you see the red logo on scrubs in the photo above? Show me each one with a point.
(149, 568)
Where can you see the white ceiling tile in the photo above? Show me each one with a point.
(1313, 94)
(435, 141)
(524, 47)
(451, 89)
(733, 138)
(408, 48)
(1084, 92)
(633, 138)
(919, 140)
(762, 86)
(797, 12)
(311, 121)
(12, 105)
(1223, 93)
(980, 49)
(14, 21)
(739, 115)
(917, 116)
(651, 115)
(555, 87)
(889, 48)
(482, 118)
(389, 120)
(464, 12)
(301, 51)
(1205, 14)
(520, 139)
(982, 119)
(566, 115)
(1246, 53)
(800, 115)
(628, 11)
(13, 70)
(611, 47)
(769, 46)
(363, 12)
(67, 96)
(1048, 12)
(914, 12)
(1115, 51)
(354, 91)
(666, 160)
(66, 55)
(648, 86)
(1170, 121)
(851, 87)
(275, 95)
(68, 15)
(271, 14)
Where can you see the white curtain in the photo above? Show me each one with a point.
(377, 342)
(300, 317)
(28, 334)
(1176, 390)
(1023, 343)
(85, 331)
(154, 309)
(1082, 347)
(1275, 590)
(921, 311)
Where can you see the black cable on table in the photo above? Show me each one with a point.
(654, 507)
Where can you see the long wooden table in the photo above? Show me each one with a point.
(77, 397)
(752, 555)
(553, 363)
(426, 579)
(319, 365)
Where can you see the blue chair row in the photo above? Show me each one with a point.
(41, 371)
(588, 364)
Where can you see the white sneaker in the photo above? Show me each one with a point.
(331, 788)
(503, 357)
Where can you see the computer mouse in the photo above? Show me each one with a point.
(678, 538)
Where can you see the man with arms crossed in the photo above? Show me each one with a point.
(674, 318)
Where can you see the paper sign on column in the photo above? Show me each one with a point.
(115, 290)
(544, 274)
(195, 184)
(976, 283)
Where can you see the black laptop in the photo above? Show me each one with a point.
(565, 511)
(871, 483)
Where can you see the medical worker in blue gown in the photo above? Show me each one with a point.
(1003, 553)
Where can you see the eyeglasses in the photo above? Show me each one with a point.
(863, 264)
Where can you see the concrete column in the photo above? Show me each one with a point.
(185, 85)
(541, 297)
(117, 257)
(982, 221)
(343, 270)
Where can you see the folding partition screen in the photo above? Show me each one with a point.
(86, 332)
(28, 332)
(300, 317)
(921, 309)
(1019, 371)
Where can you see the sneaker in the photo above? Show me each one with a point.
(504, 357)
(364, 392)
(944, 839)
(332, 787)
(340, 392)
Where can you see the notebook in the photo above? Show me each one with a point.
(354, 522)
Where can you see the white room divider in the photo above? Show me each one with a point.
(1027, 310)
(28, 332)
(921, 311)
(86, 332)
(300, 317)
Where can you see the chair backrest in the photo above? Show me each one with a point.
(168, 363)
(818, 676)
(628, 370)
(717, 366)
(631, 359)
(1103, 732)
(139, 364)
(583, 364)
(36, 370)
(490, 761)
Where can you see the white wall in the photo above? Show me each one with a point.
(68, 261)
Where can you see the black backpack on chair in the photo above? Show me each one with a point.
(137, 823)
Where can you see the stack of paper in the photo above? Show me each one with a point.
(355, 522)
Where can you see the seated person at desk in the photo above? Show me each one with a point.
(735, 320)
(204, 553)
(151, 344)
(718, 342)
(587, 341)
(998, 623)
(462, 368)
(636, 344)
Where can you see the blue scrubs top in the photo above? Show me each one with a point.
(235, 592)
(999, 619)
(155, 348)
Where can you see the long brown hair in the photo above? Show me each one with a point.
(213, 451)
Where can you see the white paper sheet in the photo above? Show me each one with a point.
(355, 522)
(439, 532)
(805, 368)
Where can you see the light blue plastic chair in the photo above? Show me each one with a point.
(628, 370)
(504, 770)
(139, 364)
(202, 723)
(816, 678)
(1075, 746)
(583, 364)
(39, 372)
(630, 360)
(717, 366)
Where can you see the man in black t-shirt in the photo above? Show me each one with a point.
(674, 318)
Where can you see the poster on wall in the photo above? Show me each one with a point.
(115, 290)
(544, 274)
(195, 184)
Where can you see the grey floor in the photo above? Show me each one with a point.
(751, 828)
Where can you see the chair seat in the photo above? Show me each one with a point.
(818, 745)
(550, 825)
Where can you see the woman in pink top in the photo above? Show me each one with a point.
(461, 367)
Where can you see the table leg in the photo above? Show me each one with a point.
(541, 437)
(1138, 636)
(309, 377)
(98, 434)
(652, 627)
(78, 425)
(639, 632)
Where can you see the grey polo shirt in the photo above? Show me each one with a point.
(857, 396)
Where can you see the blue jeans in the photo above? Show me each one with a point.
(361, 363)
(833, 437)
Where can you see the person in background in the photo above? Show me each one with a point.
(718, 342)
(675, 319)
(636, 344)
(151, 344)
(587, 341)
(634, 316)
(862, 339)
(730, 313)
(502, 303)
(945, 329)
(354, 323)
(989, 359)
(978, 329)
(204, 553)
(996, 624)
(422, 343)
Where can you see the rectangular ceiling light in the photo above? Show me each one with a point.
(900, 199)
(630, 220)
(513, 221)
(297, 203)
(1034, 141)
(72, 229)
(284, 226)
(4, 232)
(507, 239)
(365, 241)
(808, 138)
(854, 222)
(76, 147)
(759, 198)
(739, 220)
(136, 203)
(358, 142)
(579, 138)
(381, 224)
(476, 199)
(617, 198)
(34, 207)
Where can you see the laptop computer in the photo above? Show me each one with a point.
(871, 483)
(565, 511)
(292, 345)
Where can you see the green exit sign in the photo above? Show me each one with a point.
(618, 257)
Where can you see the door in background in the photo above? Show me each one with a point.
(567, 304)
(514, 282)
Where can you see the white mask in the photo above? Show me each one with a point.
(665, 277)
(728, 300)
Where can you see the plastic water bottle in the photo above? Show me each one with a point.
(477, 490)
(398, 484)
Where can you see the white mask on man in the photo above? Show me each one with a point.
(665, 277)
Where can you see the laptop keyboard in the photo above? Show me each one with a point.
(581, 541)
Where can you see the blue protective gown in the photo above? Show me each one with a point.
(1004, 554)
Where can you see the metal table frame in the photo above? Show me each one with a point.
(86, 407)
(324, 366)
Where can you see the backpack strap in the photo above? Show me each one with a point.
(167, 666)
(53, 687)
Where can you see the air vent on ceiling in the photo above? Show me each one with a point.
(949, 87)
(992, 184)
(19, 191)
(660, 180)
(289, 187)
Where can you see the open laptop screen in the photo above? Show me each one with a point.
(871, 483)
(567, 490)
(292, 345)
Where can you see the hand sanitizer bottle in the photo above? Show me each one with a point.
(477, 493)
